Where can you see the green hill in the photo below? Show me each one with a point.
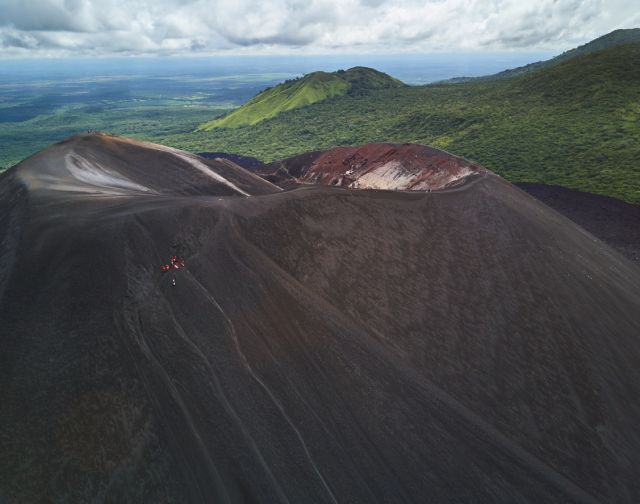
(312, 88)
(575, 124)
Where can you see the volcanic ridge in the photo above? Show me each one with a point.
(327, 339)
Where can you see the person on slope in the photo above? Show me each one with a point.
(174, 264)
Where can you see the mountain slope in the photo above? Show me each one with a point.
(575, 124)
(84, 164)
(610, 220)
(613, 39)
(312, 88)
(320, 345)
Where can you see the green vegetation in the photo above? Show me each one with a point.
(35, 113)
(576, 124)
(613, 39)
(312, 88)
(20, 139)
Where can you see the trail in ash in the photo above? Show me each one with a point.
(230, 409)
(220, 490)
(266, 389)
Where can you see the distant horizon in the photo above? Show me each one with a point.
(410, 68)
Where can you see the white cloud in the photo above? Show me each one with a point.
(92, 27)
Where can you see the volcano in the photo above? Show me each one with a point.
(454, 340)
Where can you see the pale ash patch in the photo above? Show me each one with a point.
(391, 175)
(97, 175)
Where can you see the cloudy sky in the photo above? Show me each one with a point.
(201, 27)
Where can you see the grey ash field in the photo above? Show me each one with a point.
(322, 344)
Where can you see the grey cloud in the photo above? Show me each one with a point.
(184, 26)
(544, 23)
(284, 39)
(38, 15)
(197, 45)
(15, 39)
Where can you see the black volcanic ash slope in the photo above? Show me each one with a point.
(613, 221)
(321, 345)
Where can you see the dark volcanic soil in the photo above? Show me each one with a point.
(247, 162)
(613, 221)
(321, 344)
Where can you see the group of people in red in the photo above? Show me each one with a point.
(174, 264)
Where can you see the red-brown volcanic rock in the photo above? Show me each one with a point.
(404, 167)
